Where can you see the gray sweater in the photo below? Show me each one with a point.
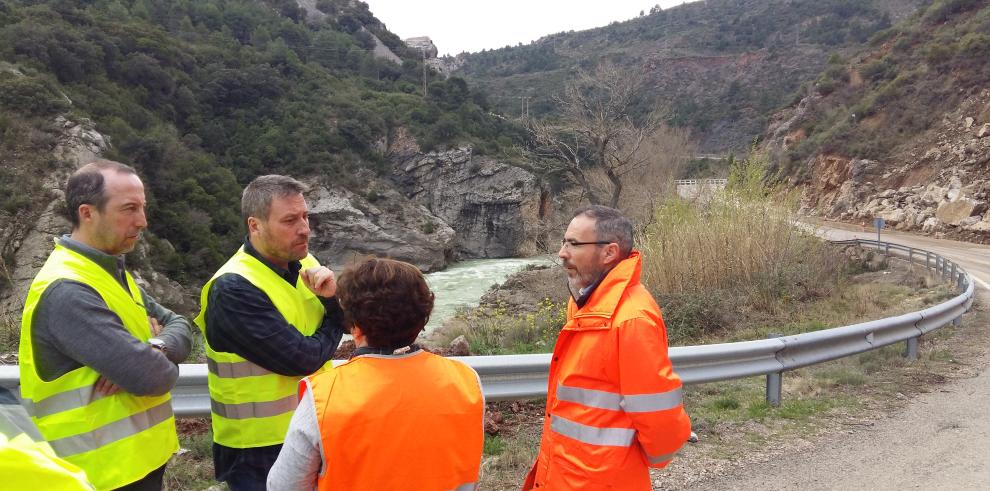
(72, 327)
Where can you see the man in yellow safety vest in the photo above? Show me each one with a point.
(269, 317)
(98, 355)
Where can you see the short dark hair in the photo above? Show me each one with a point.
(610, 225)
(256, 201)
(87, 186)
(388, 299)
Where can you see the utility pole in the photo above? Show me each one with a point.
(423, 50)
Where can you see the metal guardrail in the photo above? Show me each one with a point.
(525, 376)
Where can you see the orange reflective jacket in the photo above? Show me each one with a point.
(614, 402)
(410, 422)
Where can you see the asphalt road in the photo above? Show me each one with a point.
(940, 440)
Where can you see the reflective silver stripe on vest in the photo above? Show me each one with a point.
(639, 403)
(469, 486)
(63, 401)
(237, 369)
(15, 422)
(614, 437)
(660, 458)
(647, 403)
(590, 397)
(111, 432)
(247, 410)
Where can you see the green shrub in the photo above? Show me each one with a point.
(881, 69)
(494, 332)
(941, 11)
(742, 240)
(29, 96)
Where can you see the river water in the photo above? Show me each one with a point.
(462, 284)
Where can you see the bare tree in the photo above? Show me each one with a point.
(600, 135)
(665, 154)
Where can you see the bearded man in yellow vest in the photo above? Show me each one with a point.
(269, 317)
(394, 416)
(96, 365)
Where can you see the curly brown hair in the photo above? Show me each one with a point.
(388, 299)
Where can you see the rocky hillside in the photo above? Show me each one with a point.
(719, 67)
(900, 130)
(434, 208)
(203, 96)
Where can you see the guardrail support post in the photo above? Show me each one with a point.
(911, 350)
(952, 275)
(886, 248)
(775, 381)
(957, 321)
(928, 260)
(961, 284)
(911, 256)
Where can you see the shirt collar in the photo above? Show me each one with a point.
(368, 350)
(585, 293)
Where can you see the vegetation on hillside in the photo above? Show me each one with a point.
(204, 95)
(913, 74)
(720, 66)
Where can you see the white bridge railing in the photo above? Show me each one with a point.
(703, 182)
(525, 376)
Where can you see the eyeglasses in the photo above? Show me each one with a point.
(568, 243)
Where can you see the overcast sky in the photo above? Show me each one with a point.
(473, 25)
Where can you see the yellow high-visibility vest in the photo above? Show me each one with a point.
(251, 406)
(116, 439)
(27, 461)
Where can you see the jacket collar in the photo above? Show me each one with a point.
(606, 296)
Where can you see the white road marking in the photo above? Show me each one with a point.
(980, 282)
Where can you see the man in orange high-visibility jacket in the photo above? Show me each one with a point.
(613, 402)
(394, 416)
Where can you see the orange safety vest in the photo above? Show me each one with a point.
(613, 402)
(410, 422)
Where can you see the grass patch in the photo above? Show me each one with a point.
(801, 409)
(506, 469)
(193, 468)
(726, 404)
(494, 445)
(943, 355)
(492, 331)
(842, 375)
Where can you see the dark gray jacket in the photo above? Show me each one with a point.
(73, 327)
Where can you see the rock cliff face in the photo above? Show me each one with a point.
(436, 208)
(495, 209)
(939, 183)
(383, 223)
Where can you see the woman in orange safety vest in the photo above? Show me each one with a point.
(393, 416)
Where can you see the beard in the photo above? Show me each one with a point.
(577, 280)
